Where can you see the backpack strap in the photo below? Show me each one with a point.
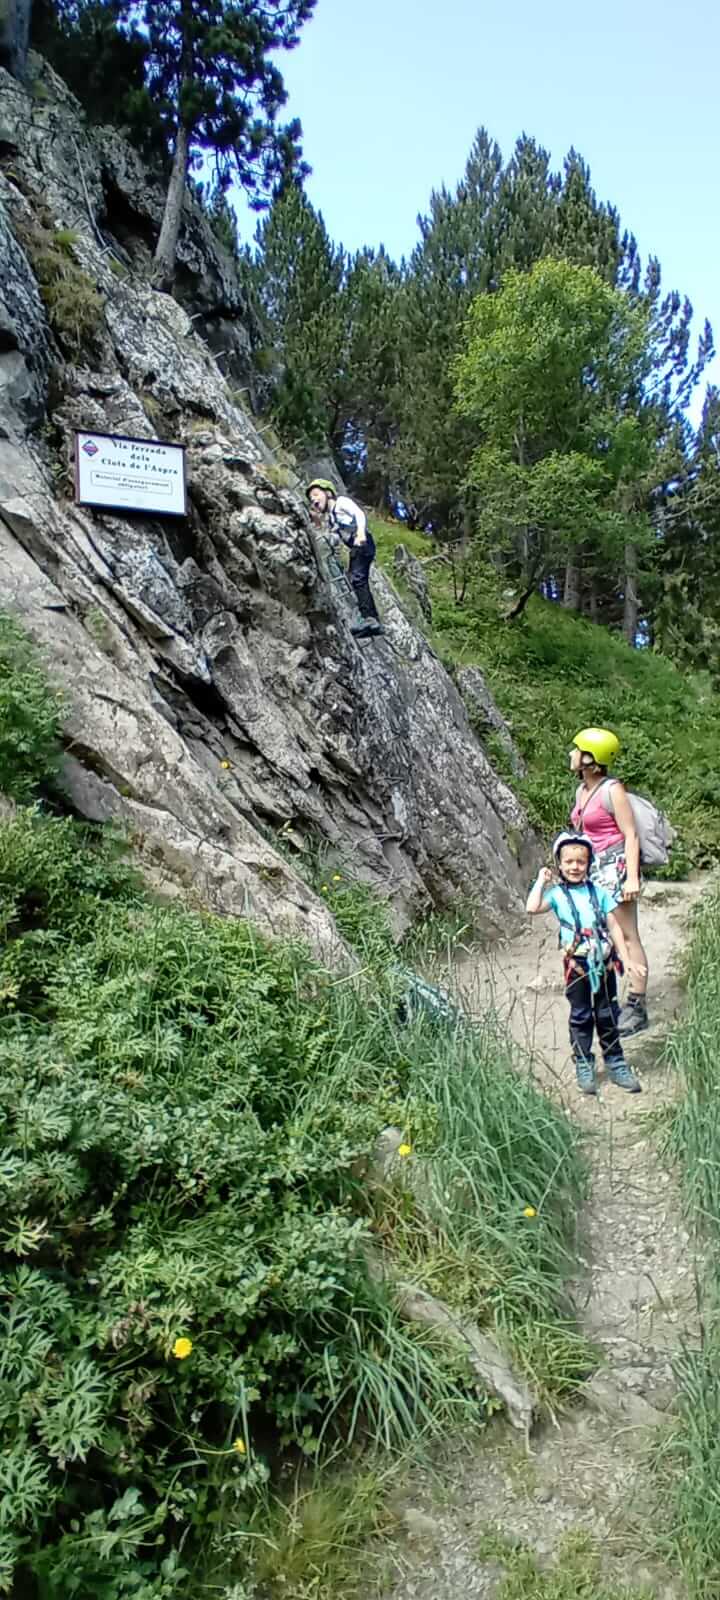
(600, 918)
(596, 790)
(607, 795)
(574, 911)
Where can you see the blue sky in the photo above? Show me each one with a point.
(391, 92)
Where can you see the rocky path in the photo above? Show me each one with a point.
(588, 1474)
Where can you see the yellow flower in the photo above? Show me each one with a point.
(323, 888)
(239, 1445)
(404, 1149)
(337, 877)
(529, 1211)
(225, 766)
(181, 1349)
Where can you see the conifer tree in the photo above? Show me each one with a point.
(686, 616)
(454, 260)
(372, 374)
(527, 207)
(100, 52)
(299, 277)
(210, 72)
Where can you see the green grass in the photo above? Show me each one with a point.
(574, 1574)
(693, 1139)
(388, 535)
(324, 1537)
(552, 673)
(497, 1149)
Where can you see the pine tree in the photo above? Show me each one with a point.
(372, 374)
(585, 231)
(102, 55)
(527, 207)
(686, 618)
(299, 277)
(210, 72)
(455, 259)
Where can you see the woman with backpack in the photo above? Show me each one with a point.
(603, 812)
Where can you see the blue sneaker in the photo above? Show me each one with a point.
(585, 1074)
(623, 1076)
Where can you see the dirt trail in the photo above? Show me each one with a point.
(635, 1296)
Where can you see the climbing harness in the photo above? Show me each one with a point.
(600, 952)
(366, 627)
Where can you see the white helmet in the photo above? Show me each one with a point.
(572, 838)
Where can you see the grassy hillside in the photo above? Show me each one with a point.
(553, 673)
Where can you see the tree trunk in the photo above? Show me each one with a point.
(518, 606)
(572, 594)
(630, 609)
(166, 251)
(593, 601)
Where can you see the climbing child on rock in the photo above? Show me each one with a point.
(590, 936)
(346, 521)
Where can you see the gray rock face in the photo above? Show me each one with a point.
(14, 35)
(409, 568)
(485, 716)
(24, 346)
(216, 691)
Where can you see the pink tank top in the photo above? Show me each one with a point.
(597, 823)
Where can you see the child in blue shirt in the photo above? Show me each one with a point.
(590, 936)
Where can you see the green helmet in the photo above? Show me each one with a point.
(322, 483)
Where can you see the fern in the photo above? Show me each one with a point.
(24, 1487)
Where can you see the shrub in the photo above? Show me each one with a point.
(30, 715)
(187, 1113)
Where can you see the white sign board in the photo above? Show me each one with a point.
(130, 474)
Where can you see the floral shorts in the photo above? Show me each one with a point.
(609, 872)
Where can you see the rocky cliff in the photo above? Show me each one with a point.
(215, 692)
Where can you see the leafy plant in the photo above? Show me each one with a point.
(30, 716)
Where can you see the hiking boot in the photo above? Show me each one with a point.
(623, 1076)
(585, 1074)
(633, 1017)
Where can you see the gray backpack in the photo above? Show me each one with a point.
(653, 829)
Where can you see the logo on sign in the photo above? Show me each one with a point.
(90, 448)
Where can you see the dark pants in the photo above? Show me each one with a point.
(361, 560)
(589, 1012)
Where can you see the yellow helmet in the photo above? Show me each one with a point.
(599, 743)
